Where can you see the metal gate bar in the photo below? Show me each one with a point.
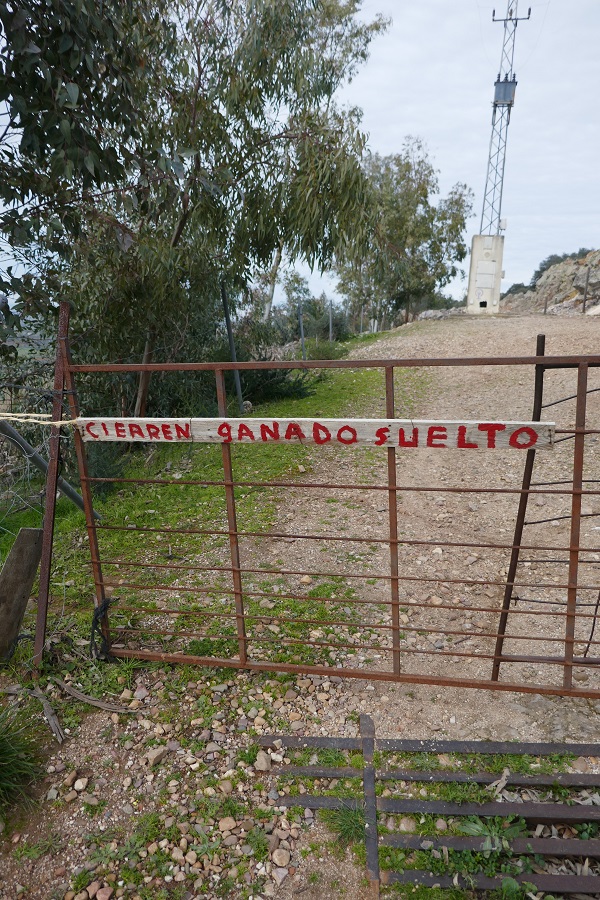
(578, 452)
(533, 812)
(538, 396)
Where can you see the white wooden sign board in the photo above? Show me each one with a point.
(402, 433)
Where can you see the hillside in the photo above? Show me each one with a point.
(560, 289)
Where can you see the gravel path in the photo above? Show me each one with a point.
(420, 711)
(494, 393)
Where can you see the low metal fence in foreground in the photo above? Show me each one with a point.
(493, 839)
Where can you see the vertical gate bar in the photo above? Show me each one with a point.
(50, 490)
(538, 396)
(86, 491)
(393, 516)
(367, 735)
(578, 454)
(232, 523)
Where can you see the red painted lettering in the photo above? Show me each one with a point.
(402, 440)
(382, 434)
(119, 429)
(492, 429)
(153, 432)
(245, 432)
(266, 432)
(135, 431)
(294, 430)
(91, 433)
(321, 435)
(462, 443)
(167, 433)
(182, 432)
(352, 436)
(224, 431)
(529, 434)
(104, 429)
(435, 434)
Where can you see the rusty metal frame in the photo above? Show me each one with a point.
(573, 609)
(548, 813)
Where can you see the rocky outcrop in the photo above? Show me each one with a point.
(560, 289)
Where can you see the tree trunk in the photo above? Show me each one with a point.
(272, 283)
(141, 401)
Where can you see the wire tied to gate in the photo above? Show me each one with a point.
(100, 612)
(595, 619)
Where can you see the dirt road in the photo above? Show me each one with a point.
(494, 393)
(415, 711)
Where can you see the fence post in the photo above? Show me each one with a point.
(585, 293)
(51, 487)
(301, 324)
(232, 353)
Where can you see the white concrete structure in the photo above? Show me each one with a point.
(485, 274)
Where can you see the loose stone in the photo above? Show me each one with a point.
(281, 857)
(263, 761)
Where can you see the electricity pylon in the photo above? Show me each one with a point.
(487, 247)
(504, 99)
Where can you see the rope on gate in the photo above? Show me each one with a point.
(36, 419)
(99, 613)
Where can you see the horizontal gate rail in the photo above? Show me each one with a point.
(532, 812)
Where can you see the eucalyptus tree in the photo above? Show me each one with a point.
(71, 72)
(238, 151)
(417, 240)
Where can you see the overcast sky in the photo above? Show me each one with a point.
(432, 75)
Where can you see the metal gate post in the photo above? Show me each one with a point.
(86, 493)
(51, 488)
(232, 523)
(393, 518)
(578, 454)
(538, 396)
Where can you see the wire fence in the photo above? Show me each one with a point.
(25, 387)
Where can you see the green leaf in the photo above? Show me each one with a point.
(66, 42)
(477, 829)
(73, 92)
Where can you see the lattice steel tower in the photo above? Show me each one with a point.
(504, 99)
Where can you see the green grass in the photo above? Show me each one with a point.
(38, 849)
(347, 823)
(20, 762)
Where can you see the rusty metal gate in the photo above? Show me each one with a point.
(492, 581)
